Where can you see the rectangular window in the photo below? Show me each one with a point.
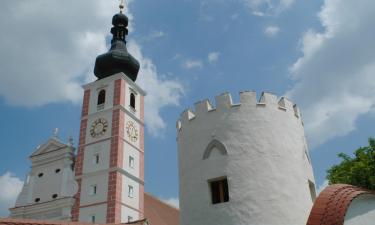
(96, 159)
(131, 192)
(93, 189)
(92, 219)
(131, 162)
(219, 190)
(130, 219)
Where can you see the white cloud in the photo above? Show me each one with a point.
(48, 50)
(321, 187)
(160, 92)
(271, 31)
(193, 64)
(53, 51)
(213, 57)
(267, 7)
(10, 187)
(175, 202)
(154, 35)
(334, 79)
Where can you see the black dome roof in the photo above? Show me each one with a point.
(120, 19)
(117, 59)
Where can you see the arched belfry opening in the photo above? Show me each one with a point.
(101, 97)
(214, 145)
(132, 100)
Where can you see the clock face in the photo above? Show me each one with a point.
(98, 127)
(131, 131)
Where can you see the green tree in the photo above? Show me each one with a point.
(358, 171)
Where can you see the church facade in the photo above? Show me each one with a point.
(49, 189)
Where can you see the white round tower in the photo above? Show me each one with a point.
(244, 164)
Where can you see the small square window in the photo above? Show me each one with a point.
(130, 219)
(219, 190)
(93, 189)
(131, 162)
(96, 159)
(131, 191)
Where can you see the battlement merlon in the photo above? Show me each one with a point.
(247, 98)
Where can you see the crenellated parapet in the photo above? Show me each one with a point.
(224, 103)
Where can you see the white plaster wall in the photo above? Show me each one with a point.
(107, 115)
(100, 212)
(101, 148)
(108, 86)
(50, 183)
(361, 211)
(131, 151)
(136, 125)
(267, 174)
(101, 180)
(133, 202)
(125, 212)
(128, 89)
(69, 186)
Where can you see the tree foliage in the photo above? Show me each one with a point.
(358, 171)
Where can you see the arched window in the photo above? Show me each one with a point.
(101, 99)
(214, 145)
(132, 100)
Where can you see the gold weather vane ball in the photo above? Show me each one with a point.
(122, 5)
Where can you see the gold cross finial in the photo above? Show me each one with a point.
(122, 5)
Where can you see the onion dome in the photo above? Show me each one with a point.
(117, 59)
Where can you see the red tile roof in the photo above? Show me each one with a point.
(8, 221)
(332, 203)
(160, 213)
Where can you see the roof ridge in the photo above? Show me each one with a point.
(165, 203)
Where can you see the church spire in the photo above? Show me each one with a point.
(117, 59)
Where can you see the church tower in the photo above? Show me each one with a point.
(110, 163)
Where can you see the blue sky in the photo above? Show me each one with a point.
(318, 53)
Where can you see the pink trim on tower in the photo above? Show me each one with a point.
(116, 155)
(80, 155)
(114, 197)
(75, 208)
(85, 105)
(119, 95)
